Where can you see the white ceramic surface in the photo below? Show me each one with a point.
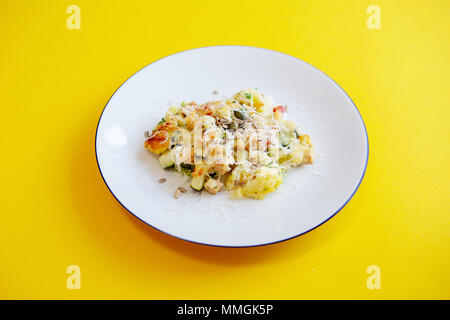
(316, 103)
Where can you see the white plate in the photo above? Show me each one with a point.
(316, 103)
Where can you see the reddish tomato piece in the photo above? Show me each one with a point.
(279, 108)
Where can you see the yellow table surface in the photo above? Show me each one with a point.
(57, 211)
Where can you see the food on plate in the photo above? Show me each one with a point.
(243, 144)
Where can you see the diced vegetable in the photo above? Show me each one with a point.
(279, 108)
(187, 166)
(198, 182)
(213, 186)
(222, 168)
(173, 109)
(208, 122)
(289, 124)
(166, 159)
(198, 177)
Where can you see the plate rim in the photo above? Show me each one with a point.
(231, 246)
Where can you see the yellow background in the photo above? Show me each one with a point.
(58, 212)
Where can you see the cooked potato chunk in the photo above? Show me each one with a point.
(213, 185)
(222, 168)
(264, 181)
(158, 142)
